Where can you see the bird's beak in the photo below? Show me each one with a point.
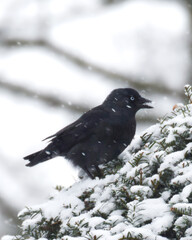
(143, 101)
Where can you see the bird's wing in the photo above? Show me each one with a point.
(81, 129)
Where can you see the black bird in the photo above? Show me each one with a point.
(98, 136)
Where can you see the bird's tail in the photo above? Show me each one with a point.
(38, 157)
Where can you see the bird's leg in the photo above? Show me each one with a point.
(98, 170)
(88, 172)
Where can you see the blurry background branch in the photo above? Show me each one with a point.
(155, 85)
(53, 101)
(47, 99)
(188, 6)
(7, 210)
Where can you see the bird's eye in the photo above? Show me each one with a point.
(132, 98)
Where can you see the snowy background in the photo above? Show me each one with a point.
(60, 58)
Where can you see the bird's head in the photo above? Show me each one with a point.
(127, 98)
